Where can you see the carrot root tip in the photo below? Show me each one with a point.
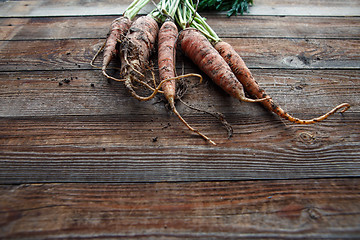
(346, 106)
(188, 126)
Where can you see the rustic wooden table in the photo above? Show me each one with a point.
(78, 156)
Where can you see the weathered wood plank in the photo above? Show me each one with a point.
(306, 8)
(306, 93)
(110, 7)
(65, 8)
(70, 160)
(78, 132)
(154, 163)
(257, 52)
(239, 27)
(285, 26)
(121, 148)
(306, 209)
(55, 133)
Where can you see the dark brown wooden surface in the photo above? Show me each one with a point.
(258, 52)
(95, 27)
(79, 160)
(310, 209)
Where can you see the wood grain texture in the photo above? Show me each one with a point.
(256, 52)
(110, 7)
(79, 133)
(81, 159)
(115, 162)
(61, 115)
(285, 26)
(121, 148)
(306, 93)
(306, 209)
(236, 27)
(65, 8)
(306, 8)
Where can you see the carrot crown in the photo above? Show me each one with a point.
(165, 9)
(187, 16)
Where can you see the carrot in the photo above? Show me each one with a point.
(141, 40)
(166, 60)
(166, 50)
(244, 75)
(118, 29)
(198, 48)
(116, 34)
(136, 49)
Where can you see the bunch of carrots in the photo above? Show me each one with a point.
(134, 41)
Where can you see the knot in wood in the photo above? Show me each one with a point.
(307, 137)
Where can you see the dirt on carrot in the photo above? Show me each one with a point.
(136, 49)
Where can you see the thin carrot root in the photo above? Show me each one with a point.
(180, 77)
(245, 77)
(153, 76)
(157, 89)
(96, 55)
(217, 115)
(346, 106)
(245, 99)
(110, 77)
(137, 80)
(343, 106)
(171, 101)
(133, 65)
(173, 108)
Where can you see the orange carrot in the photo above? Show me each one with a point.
(244, 75)
(198, 48)
(118, 29)
(166, 60)
(136, 49)
(166, 50)
(141, 40)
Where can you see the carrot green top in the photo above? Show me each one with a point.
(134, 8)
(187, 16)
(165, 9)
(233, 7)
